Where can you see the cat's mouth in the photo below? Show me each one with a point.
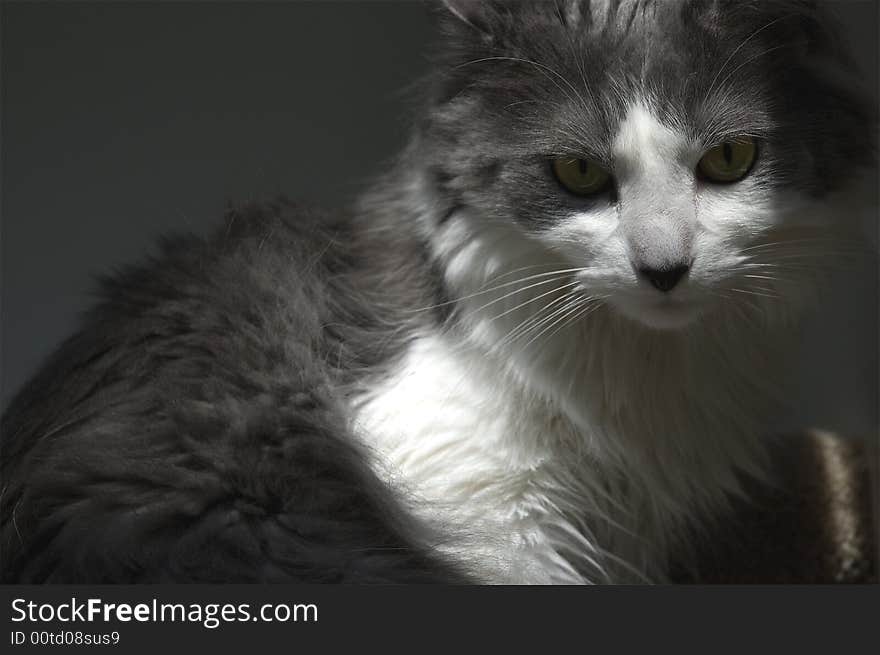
(661, 312)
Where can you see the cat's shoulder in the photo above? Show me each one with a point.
(200, 308)
(256, 240)
(196, 393)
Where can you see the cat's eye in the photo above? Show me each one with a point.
(582, 177)
(728, 162)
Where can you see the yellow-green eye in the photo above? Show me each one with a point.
(582, 177)
(729, 162)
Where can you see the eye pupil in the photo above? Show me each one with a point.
(729, 161)
(580, 176)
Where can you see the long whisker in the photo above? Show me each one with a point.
(798, 242)
(761, 277)
(549, 327)
(516, 291)
(531, 300)
(495, 288)
(536, 321)
(500, 277)
(532, 321)
(583, 312)
(753, 293)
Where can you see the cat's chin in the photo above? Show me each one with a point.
(662, 314)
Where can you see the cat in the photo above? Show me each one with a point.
(544, 348)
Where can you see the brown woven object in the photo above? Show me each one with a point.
(814, 525)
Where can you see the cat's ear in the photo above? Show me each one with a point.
(470, 12)
(476, 18)
(491, 19)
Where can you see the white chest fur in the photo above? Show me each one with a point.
(509, 481)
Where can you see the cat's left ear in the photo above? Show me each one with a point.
(491, 19)
(467, 11)
(480, 18)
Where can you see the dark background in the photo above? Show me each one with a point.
(123, 120)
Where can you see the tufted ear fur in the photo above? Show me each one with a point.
(477, 15)
(808, 26)
(490, 20)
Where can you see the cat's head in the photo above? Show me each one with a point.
(678, 153)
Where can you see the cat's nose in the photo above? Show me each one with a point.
(664, 278)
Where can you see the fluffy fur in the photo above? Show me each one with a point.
(466, 378)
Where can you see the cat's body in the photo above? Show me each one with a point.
(471, 376)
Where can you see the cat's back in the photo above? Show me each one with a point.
(179, 321)
(180, 433)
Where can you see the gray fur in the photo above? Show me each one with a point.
(193, 429)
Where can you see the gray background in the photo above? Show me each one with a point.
(121, 121)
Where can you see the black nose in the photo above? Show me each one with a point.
(664, 278)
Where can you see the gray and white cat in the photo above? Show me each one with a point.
(543, 349)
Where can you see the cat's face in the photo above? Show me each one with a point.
(680, 154)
